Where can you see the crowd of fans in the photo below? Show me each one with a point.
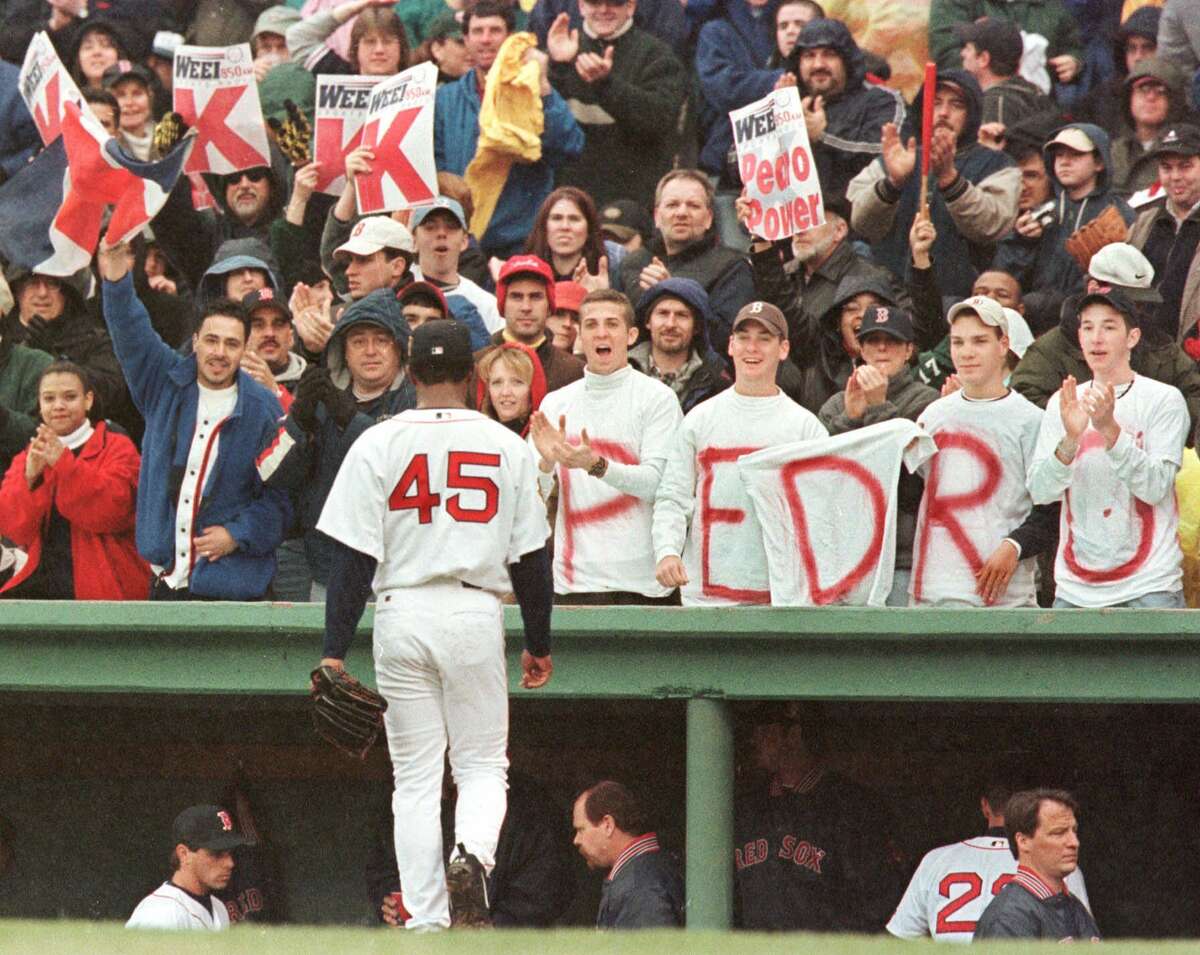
(172, 419)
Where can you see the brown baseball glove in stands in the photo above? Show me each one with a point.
(293, 135)
(346, 713)
(1105, 229)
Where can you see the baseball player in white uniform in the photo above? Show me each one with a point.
(440, 505)
(201, 863)
(954, 884)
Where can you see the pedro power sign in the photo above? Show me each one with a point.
(775, 160)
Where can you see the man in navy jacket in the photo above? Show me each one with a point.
(205, 522)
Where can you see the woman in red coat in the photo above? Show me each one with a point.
(68, 501)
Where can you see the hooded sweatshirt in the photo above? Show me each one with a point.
(1103, 104)
(304, 463)
(537, 391)
(1132, 166)
(708, 375)
(231, 256)
(1044, 262)
(853, 117)
(973, 213)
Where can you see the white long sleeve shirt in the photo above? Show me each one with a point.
(1118, 533)
(975, 496)
(703, 513)
(602, 533)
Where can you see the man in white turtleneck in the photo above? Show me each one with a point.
(706, 539)
(606, 438)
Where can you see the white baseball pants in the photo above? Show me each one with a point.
(439, 662)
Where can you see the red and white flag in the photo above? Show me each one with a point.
(399, 130)
(216, 94)
(827, 509)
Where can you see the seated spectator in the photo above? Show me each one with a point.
(991, 53)
(51, 316)
(1057, 354)
(686, 247)
(98, 44)
(812, 849)
(824, 257)
(827, 364)
(239, 267)
(1135, 39)
(378, 253)
(205, 537)
(1153, 99)
(456, 131)
(625, 222)
(605, 441)
(705, 540)
(103, 105)
(525, 295)
(563, 322)
(659, 17)
(422, 302)
(844, 113)
(362, 381)
(137, 91)
(643, 888)
(972, 201)
(443, 45)
(566, 235)
(378, 44)
(1081, 169)
(883, 388)
(20, 370)
(674, 318)
(1051, 20)
(68, 501)
(626, 88)
(441, 234)
(1110, 452)
(511, 385)
(268, 42)
(1167, 231)
(978, 535)
(533, 882)
(472, 262)
(268, 357)
(248, 202)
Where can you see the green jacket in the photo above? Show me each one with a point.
(1050, 18)
(20, 369)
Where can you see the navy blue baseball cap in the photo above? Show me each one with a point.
(441, 343)
(207, 827)
(888, 320)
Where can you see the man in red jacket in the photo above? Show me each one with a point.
(68, 501)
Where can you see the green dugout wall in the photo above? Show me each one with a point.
(254, 655)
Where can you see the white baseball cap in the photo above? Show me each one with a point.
(1120, 265)
(988, 310)
(374, 233)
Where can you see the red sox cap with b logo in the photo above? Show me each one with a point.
(207, 827)
(766, 315)
(889, 321)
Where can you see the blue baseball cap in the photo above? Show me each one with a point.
(441, 202)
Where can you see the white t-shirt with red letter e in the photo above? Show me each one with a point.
(1118, 534)
(703, 513)
(975, 496)
(954, 884)
(602, 533)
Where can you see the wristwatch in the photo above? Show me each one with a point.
(599, 469)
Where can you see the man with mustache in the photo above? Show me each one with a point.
(845, 112)
(972, 193)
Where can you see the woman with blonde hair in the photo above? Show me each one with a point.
(511, 385)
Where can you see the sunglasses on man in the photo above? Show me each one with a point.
(255, 175)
